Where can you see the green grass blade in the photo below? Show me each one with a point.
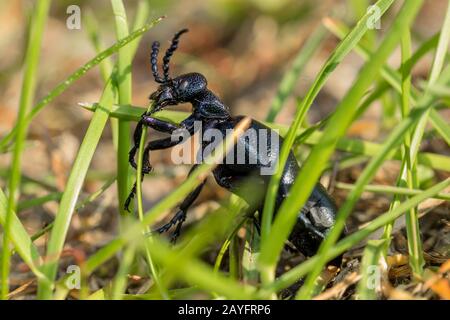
(23, 245)
(199, 174)
(106, 66)
(92, 27)
(416, 260)
(63, 86)
(348, 242)
(196, 272)
(139, 177)
(340, 52)
(383, 189)
(120, 280)
(56, 196)
(389, 146)
(355, 146)
(370, 269)
(409, 173)
(38, 201)
(124, 90)
(291, 76)
(240, 205)
(394, 78)
(440, 125)
(28, 91)
(318, 158)
(267, 269)
(80, 205)
(73, 188)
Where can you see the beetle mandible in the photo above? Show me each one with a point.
(314, 220)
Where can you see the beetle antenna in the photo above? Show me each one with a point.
(170, 51)
(154, 62)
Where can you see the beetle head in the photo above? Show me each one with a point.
(180, 89)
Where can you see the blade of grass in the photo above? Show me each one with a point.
(366, 289)
(389, 145)
(106, 66)
(38, 201)
(92, 28)
(27, 94)
(21, 240)
(250, 256)
(234, 258)
(27, 179)
(438, 90)
(291, 76)
(408, 169)
(394, 78)
(240, 205)
(439, 124)
(267, 273)
(139, 178)
(348, 242)
(215, 225)
(80, 205)
(416, 260)
(124, 90)
(199, 273)
(318, 158)
(73, 188)
(58, 90)
(391, 190)
(192, 181)
(409, 173)
(376, 94)
(356, 146)
(120, 280)
(55, 196)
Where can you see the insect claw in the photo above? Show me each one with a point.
(164, 228)
(174, 237)
(127, 204)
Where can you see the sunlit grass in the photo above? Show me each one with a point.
(26, 99)
(251, 274)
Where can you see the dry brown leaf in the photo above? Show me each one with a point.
(22, 289)
(339, 288)
(442, 288)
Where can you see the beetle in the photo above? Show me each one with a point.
(314, 220)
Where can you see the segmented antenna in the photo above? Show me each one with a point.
(154, 62)
(170, 51)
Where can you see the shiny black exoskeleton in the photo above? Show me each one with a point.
(314, 220)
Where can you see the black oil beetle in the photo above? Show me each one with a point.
(314, 220)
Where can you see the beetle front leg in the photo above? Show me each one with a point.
(161, 126)
(146, 168)
(165, 143)
(153, 123)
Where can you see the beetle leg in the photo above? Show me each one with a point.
(255, 222)
(131, 195)
(151, 122)
(146, 167)
(160, 144)
(161, 126)
(158, 125)
(309, 226)
(179, 218)
(137, 141)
